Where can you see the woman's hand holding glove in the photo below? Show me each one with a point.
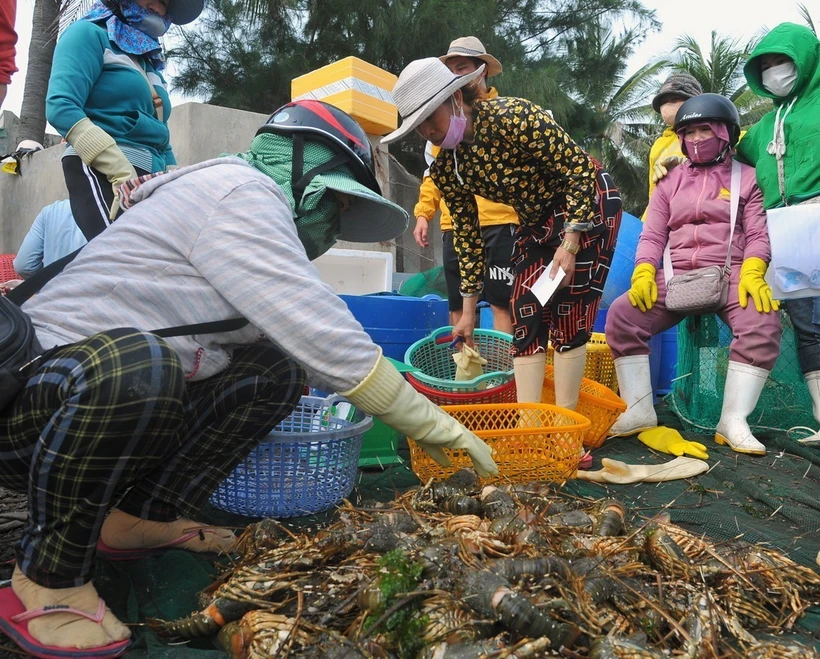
(753, 284)
(98, 149)
(644, 291)
(385, 394)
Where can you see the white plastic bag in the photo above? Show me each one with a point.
(794, 232)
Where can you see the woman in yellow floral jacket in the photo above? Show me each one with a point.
(511, 151)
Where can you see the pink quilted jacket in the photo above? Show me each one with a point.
(691, 209)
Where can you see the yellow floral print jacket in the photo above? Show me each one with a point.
(521, 157)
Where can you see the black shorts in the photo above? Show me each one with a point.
(90, 195)
(499, 241)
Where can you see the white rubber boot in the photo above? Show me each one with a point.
(813, 382)
(740, 395)
(529, 381)
(635, 387)
(569, 371)
(529, 377)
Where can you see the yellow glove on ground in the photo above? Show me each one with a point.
(384, 393)
(98, 149)
(663, 165)
(617, 472)
(752, 283)
(644, 291)
(669, 440)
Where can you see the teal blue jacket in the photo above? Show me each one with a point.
(92, 77)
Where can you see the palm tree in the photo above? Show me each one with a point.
(804, 12)
(614, 121)
(41, 51)
(721, 72)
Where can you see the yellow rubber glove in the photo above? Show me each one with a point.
(384, 393)
(663, 165)
(615, 471)
(644, 291)
(752, 284)
(669, 440)
(98, 149)
(469, 364)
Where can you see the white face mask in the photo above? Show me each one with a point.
(780, 79)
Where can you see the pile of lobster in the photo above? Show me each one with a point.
(452, 570)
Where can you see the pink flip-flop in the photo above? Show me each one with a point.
(111, 554)
(14, 624)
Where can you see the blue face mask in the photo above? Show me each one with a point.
(146, 21)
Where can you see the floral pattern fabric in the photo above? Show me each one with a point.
(519, 156)
(129, 38)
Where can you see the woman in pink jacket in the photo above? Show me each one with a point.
(691, 211)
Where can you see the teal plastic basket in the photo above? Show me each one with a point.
(434, 357)
(307, 464)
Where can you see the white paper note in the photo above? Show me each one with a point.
(544, 287)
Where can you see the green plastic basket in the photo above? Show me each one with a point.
(434, 357)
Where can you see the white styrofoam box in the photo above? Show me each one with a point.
(356, 271)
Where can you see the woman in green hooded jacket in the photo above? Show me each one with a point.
(784, 149)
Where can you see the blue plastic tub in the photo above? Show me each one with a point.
(660, 355)
(623, 260)
(307, 464)
(669, 361)
(395, 322)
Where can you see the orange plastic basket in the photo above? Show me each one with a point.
(600, 365)
(7, 268)
(595, 402)
(530, 442)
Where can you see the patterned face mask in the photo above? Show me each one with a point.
(318, 212)
(135, 30)
(320, 228)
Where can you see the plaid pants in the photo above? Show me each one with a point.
(570, 314)
(112, 417)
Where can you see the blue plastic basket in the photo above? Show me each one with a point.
(307, 464)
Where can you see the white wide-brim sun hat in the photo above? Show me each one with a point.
(473, 48)
(422, 87)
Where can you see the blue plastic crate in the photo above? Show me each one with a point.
(307, 464)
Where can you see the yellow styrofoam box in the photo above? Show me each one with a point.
(360, 89)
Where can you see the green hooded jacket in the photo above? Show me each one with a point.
(802, 127)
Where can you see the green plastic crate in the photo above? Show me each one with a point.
(379, 447)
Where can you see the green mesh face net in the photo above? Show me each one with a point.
(318, 212)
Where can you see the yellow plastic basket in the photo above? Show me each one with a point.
(595, 401)
(600, 365)
(530, 442)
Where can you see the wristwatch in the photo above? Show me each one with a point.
(570, 246)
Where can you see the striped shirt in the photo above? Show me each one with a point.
(208, 242)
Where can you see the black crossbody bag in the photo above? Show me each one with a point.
(19, 347)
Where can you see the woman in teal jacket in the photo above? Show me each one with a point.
(107, 97)
(785, 67)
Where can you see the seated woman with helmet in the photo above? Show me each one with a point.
(108, 99)
(691, 218)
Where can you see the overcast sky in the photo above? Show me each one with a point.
(739, 18)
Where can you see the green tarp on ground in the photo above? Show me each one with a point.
(773, 499)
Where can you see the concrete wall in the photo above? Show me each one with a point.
(22, 197)
(198, 132)
(10, 133)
